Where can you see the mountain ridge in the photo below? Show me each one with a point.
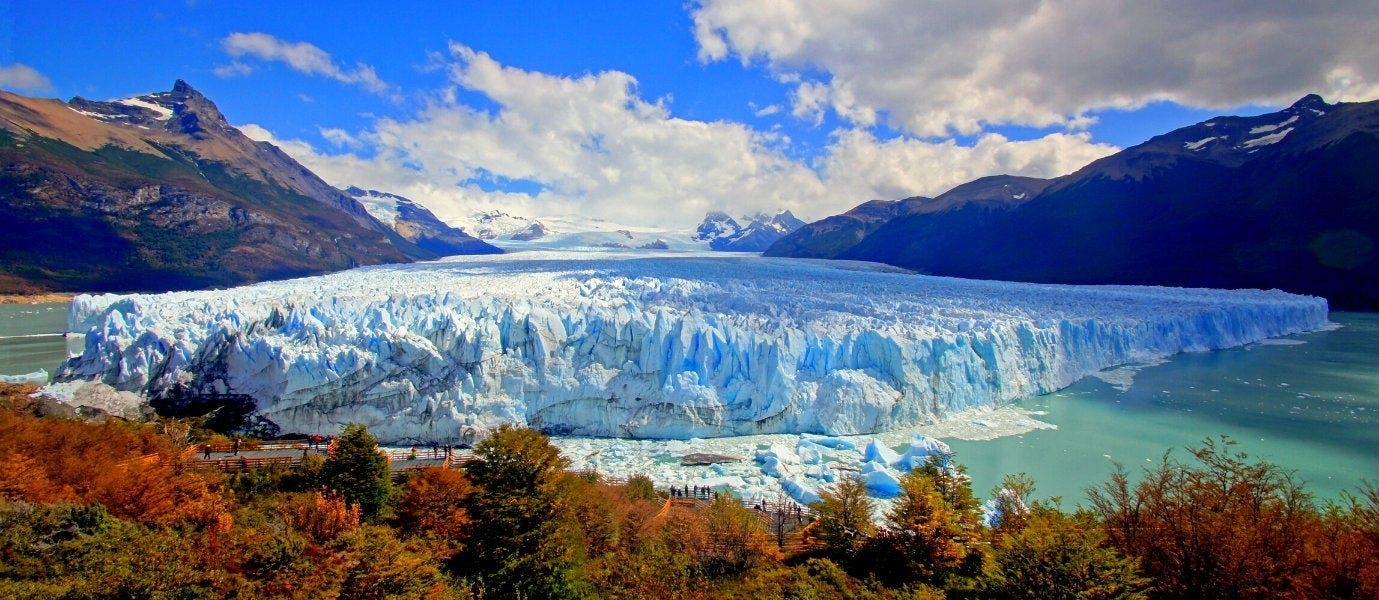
(159, 192)
(1286, 200)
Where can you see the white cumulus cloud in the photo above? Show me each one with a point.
(960, 65)
(302, 57)
(592, 145)
(23, 78)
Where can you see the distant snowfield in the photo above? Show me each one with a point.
(648, 344)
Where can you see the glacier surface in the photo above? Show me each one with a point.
(646, 345)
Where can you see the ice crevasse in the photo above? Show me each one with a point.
(645, 345)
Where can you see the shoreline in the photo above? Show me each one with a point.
(38, 298)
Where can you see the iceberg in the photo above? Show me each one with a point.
(646, 345)
(921, 448)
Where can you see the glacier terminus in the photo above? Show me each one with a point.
(646, 344)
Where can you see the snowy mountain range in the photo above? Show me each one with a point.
(724, 233)
(1282, 200)
(160, 192)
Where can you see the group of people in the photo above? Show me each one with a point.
(206, 449)
(701, 492)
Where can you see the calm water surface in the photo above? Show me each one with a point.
(31, 337)
(1311, 406)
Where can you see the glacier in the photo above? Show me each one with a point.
(645, 344)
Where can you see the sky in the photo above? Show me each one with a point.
(653, 113)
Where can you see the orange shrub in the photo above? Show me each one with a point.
(129, 468)
(320, 517)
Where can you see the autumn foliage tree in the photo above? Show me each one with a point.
(933, 529)
(1055, 556)
(843, 518)
(321, 517)
(1228, 528)
(433, 504)
(129, 468)
(737, 537)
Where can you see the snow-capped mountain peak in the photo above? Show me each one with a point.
(723, 232)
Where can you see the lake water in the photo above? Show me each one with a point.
(1312, 407)
(31, 337)
(1309, 403)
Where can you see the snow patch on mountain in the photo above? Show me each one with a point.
(162, 113)
(1275, 126)
(1265, 140)
(1199, 143)
(629, 344)
(382, 206)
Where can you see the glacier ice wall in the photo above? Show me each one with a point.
(632, 345)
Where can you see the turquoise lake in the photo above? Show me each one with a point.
(1309, 403)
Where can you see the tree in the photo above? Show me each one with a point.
(518, 514)
(356, 469)
(320, 517)
(736, 537)
(433, 504)
(1059, 557)
(933, 529)
(1227, 529)
(1012, 504)
(382, 567)
(640, 487)
(844, 517)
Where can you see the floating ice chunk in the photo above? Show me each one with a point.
(801, 490)
(810, 453)
(778, 461)
(835, 443)
(882, 483)
(38, 377)
(921, 448)
(821, 472)
(876, 451)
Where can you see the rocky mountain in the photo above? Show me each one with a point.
(1286, 200)
(418, 225)
(722, 232)
(159, 192)
(832, 236)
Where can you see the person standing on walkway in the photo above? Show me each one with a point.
(206, 452)
(234, 447)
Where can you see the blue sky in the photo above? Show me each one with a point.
(652, 113)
